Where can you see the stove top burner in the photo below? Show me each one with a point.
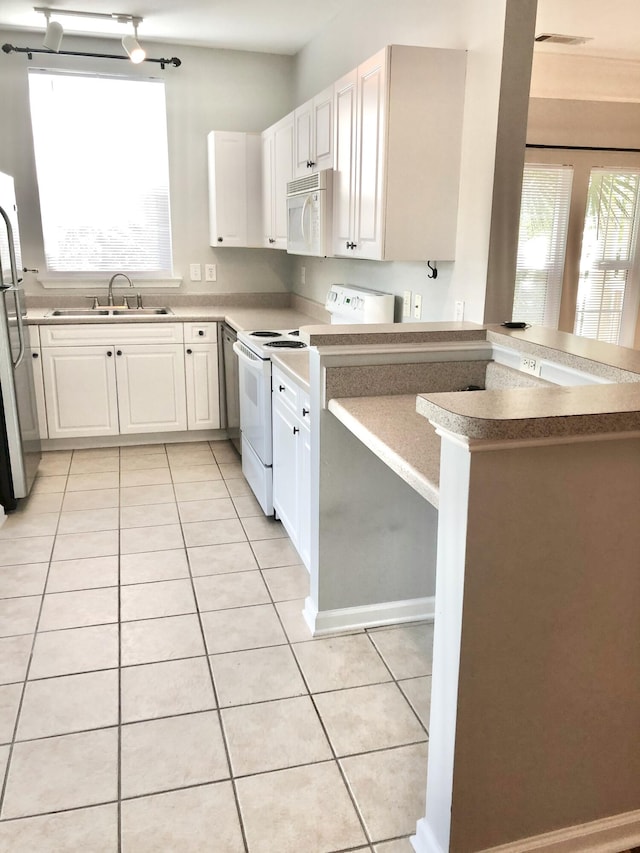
(265, 334)
(286, 344)
(295, 332)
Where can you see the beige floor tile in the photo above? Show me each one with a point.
(150, 477)
(184, 820)
(242, 628)
(148, 515)
(94, 464)
(96, 452)
(54, 463)
(240, 589)
(362, 719)
(17, 525)
(271, 553)
(161, 639)
(137, 540)
(27, 579)
(238, 488)
(224, 451)
(75, 650)
(143, 461)
(75, 546)
(73, 703)
(258, 675)
(86, 573)
(205, 491)
(140, 495)
(293, 621)
(247, 506)
(389, 789)
(94, 829)
(287, 582)
(211, 510)
(14, 658)
(87, 482)
(93, 499)
(195, 473)
(160, 598)
(191, 460)
(294, 736)
(62, 773)
(88, 520)
(41, 503)
(19, 615)
(165, 689)
(261, 527)
(220, 532)
(338, 662)
(221, 559)
(153, 566)
(400, 845)
(407, 650)
(36, 549)
(288, 811)
(173, 752)
(141, 450)
(9, 701)
(49, 485)
(418, 692)
(230, 470)
(78, 609)
(177, 447)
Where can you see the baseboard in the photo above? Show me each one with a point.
(90, 442)
(608, 835)
(368, 615)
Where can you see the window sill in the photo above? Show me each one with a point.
(77, 281)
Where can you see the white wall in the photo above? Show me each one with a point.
(212, 90)
(364, 27)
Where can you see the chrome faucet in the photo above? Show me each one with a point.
(110, 290)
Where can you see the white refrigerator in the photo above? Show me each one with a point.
(20, 448)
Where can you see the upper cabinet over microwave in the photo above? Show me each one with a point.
(313, 135)
(398, 134)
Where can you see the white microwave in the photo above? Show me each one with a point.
(309, 205)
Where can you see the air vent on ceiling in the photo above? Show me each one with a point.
(557, 38)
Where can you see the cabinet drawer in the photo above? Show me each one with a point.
(200, 333)
(70, 334)
(284, 390)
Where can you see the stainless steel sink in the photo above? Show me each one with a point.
(109, 312)
(79, 312)
(141, 312)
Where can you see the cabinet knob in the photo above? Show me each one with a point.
(220, 239)
(109, 353)
(189, 351)
(305, 412)
(34, 354)
(281, 388)
(119, 352)
(296, 430)
(201, 332)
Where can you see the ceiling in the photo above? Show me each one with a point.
(285, 26)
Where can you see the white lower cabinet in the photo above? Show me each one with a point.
(151, 388)
(203, 392)
(292, 460)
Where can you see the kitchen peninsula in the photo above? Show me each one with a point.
(536, 693)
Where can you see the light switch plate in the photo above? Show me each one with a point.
(406, 304)
(195, 272)
(458, 314)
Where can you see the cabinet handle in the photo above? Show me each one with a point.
(109, 353)
(351, 245)
(34, 354)
(189, 351)
(305, 412)
(201, 332)
(281, 388)
(271, 240)
(296, 430)
(220, 239)
(310, 164)
(119, 352)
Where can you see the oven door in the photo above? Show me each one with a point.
(255, 401)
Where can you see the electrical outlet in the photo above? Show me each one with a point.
(458, 315)
(406, 304)
(303, 275)
(417, 306)
(209, 272)
(528, 364)
(195, 272)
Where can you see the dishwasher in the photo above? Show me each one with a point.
(231, 386)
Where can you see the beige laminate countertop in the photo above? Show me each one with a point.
(295, 364)
(392, 429)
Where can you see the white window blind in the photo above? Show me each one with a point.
(103, 174)
(608, 251)
(542, 237)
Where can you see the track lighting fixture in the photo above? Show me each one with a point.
(132, 46)
(53, 36)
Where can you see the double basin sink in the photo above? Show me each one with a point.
(108, 311)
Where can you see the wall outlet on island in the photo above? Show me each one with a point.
(210, 272)
(528, 364)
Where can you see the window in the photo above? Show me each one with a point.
(103, 175)
(544, 215)
(607, 259)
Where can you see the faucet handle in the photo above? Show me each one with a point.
(95, 303)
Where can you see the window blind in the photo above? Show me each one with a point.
(542, 236)
(103, 174)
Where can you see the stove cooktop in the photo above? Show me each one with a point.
(264, 341)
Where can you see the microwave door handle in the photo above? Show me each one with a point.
(304, 208)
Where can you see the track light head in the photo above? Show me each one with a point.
(53, 36)
(132, 46)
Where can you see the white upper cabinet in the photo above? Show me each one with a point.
(277, 171)
(234, 189)
(313, 137)
(398, 131)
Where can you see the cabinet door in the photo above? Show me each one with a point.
(283, 173)
(285, 480)
(268, 143)
(322, 130)
(345, 92)
(302, 148)
(151, 388)
(227, 188)
(372, 104)
(80, 391)
(304, 495)
(203, 399)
